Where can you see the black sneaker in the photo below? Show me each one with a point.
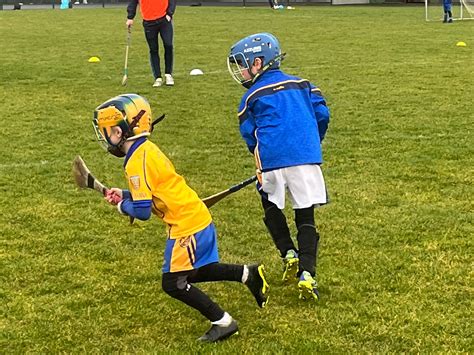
(217, 332)
(257, 284)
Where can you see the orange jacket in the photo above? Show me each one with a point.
(151, 9)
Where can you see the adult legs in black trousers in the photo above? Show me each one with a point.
(164, 28)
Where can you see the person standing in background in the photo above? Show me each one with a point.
(157, 20)
(273, 4)
(448, 15)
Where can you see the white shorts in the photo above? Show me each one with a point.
(305, 185)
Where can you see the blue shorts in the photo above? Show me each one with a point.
(191, 252)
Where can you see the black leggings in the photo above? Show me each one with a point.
(164, 28)
(179, 285)
(307, 235)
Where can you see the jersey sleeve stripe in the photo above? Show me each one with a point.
(272, 89)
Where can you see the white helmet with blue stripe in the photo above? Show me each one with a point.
(243, 53)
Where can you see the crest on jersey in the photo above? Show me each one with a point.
(135, 182)
(184, 242)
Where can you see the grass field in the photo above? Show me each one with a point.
(396, 260)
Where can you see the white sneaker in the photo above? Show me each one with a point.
(158, 82)
(169, 80)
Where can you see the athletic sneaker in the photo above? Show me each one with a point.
(218, 332)
(290, 268)
(158, 82)
(257, 284)
(169, 80)
(308, 286)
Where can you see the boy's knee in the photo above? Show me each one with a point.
(174, 285)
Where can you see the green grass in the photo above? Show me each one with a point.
(397, 250)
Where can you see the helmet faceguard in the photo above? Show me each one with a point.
(243, 54)
(130, 112)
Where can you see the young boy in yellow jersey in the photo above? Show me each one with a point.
(122, 124)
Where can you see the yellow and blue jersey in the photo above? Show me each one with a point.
(152, 177)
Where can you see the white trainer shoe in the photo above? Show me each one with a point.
(169, 80)
(158, 82)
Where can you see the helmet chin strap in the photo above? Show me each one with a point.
(279, 57)
(116, 149)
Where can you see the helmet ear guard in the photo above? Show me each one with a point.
(267, 66)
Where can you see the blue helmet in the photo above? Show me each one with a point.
(243, 53)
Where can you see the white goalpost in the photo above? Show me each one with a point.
(461, 9)
(469, 5)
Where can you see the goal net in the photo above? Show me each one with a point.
(461, 10)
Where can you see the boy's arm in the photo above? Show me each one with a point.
(136, 209)
(126, 195)
(247, 131)
(125, 204)
(321, 111)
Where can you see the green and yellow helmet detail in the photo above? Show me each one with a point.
(130, 112)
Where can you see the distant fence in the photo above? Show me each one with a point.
(179, 2)
(10, 4)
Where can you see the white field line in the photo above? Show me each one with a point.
(24, 165)
(289, 69)
(421, 63)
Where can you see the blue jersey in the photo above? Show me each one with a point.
(283, 120)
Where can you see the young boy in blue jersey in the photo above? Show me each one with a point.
(123, 124)
(448, 15)
(283, 120)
